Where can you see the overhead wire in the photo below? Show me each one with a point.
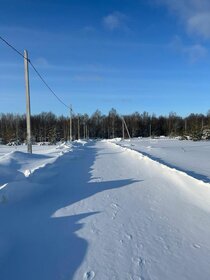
(14, 49)
(39, 75)
(36, 71)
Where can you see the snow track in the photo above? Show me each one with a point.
(105, 212)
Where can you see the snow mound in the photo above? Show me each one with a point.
(80, 141)
(65, 147)
(16, 166)
(113, 140)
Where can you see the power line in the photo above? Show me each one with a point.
(39, 75)
(14, 49)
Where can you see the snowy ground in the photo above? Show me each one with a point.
(101, 211)
(188, 156)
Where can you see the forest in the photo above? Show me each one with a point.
(47, 127)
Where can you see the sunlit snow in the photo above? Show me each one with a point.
(97, 210)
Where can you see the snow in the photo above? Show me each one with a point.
(15, 164)
(188, 156)
(102, 211)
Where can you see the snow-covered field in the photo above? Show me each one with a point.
(97, 210)
(188, 156)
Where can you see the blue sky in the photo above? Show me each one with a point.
(133, 55)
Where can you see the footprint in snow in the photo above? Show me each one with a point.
(129, 236)
(138, 261)
(115, 205)
(197, 246)
(116, 208)
(89, 275)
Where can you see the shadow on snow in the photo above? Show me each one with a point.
(193, 174)
(33, 244)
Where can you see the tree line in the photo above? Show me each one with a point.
(47, 127)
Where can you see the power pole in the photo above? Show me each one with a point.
(113, 128)
(185, 125)
(28, 107)
(150, 130)
(84, 130)
(17, 129)
(70, 123)
(123, 130)
(126, 127)
(78, 132)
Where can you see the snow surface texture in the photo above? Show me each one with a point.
(188, 156)
(105, 212)
(15, 165)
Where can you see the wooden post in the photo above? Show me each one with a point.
(123, 130)
(126, 127)
(28, 107)
(78, 132)
(84, 130)
(185, 125)
(70, 123)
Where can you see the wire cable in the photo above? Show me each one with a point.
(14, 49)
(39, 75)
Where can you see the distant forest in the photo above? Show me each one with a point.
(47, 127)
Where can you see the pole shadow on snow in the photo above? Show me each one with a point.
(46, 247)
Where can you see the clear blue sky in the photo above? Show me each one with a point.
(133, 55)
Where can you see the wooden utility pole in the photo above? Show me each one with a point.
(185, 125)
(17, 129)
(84, 130)
(123, 130)
(28, 107)
(113, 130)
(126, 127)
(70, 123)
(78, 128)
